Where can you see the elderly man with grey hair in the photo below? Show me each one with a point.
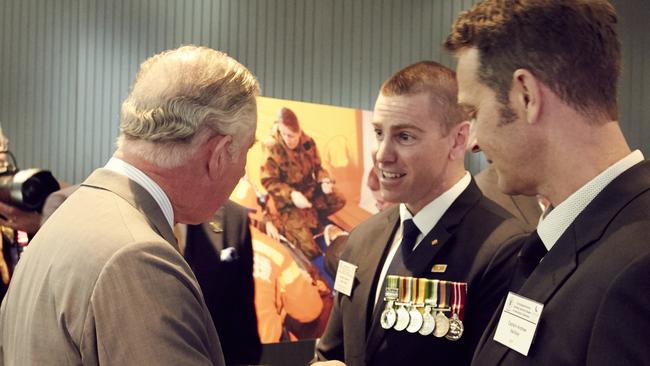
(103, 281)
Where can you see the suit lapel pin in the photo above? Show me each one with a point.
(216, 227)
(439, 268)
(434, 242)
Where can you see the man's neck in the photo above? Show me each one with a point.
(579, 157)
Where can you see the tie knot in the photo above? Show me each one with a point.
(410, 229)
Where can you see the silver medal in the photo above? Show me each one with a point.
(442, 325)
(428, 322)
(456, 328)
(403, 319)
(388, 316)
(416, 320)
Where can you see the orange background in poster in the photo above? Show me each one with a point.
(337, 133)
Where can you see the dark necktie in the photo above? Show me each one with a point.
(410, 234)
(530, 255)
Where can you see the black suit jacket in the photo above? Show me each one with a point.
(594, 284)
(476, 239)
(525, 208)
(227, 284)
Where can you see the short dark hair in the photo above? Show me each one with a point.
(434, 79)
(289, 119)
(570, 45)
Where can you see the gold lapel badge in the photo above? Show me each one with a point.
(216, 227)
(439, 268)
(434, 242)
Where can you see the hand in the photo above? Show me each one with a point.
(327, 186)
(18, 219)
(299, 200)
(4, 268)
(272, 231)
(328, 363)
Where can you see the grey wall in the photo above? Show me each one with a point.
(66, 65)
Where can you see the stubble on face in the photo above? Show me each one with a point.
(500, 131)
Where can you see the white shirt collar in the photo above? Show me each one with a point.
(552, 225)
(136, 175)
(427, 218)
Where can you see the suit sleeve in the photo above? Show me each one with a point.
(330, 346)
(147, 309)
(622, 326)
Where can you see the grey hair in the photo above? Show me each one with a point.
(182, 97)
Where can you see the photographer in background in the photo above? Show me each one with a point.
(17, 225)
(11, 216)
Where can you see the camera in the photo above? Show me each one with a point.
(26, 189)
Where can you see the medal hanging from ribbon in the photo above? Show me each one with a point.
(430, 303)
(456, 327)
(389, 315)
(403, 317)
(417, 300)
(442, 322)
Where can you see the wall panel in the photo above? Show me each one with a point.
(66, 65)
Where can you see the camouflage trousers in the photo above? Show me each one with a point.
(300, 225)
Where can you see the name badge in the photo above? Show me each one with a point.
(345, 277)
(518, 323)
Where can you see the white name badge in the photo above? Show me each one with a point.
(345, 277)
(518, 323)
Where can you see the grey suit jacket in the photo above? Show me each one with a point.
(594, 284)
(478, 242)
(102, 282)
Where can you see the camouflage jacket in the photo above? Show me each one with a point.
(285, 170)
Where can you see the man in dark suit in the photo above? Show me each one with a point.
(220, 253)
(540, 80)
(524, 208)
(458, 235)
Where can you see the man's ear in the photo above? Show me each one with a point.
(527, 93)
(459, 140)
(219, 155)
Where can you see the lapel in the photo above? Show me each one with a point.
(587, 229)
(418, 264)
(135, 195)
(213, 230)
(561, 260)
(370, 265)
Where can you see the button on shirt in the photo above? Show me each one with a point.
(552, 225)
(425, 220)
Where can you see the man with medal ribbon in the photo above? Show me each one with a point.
(401, 264)
(539, 78)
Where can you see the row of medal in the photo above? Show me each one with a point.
(419, 305)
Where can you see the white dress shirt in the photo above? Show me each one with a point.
(425, 220)
(552, 225)
(138, 176)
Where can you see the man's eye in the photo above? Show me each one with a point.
(378, 133)
(403, 136)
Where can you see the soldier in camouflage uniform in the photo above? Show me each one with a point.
(301, 190)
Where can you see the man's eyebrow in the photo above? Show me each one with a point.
(399, 126)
